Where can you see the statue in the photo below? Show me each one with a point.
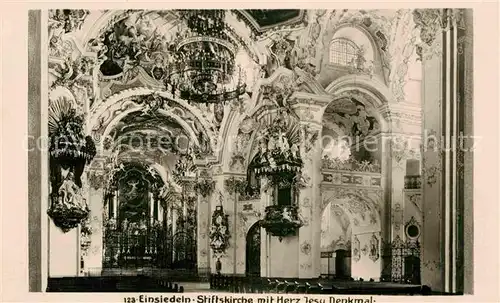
(287, 214)
(294, 150)
(69, 193)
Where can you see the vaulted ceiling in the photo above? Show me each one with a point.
(257, 32)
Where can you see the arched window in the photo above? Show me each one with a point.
(342, 51)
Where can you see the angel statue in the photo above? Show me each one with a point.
(287, 215)
(302, 180)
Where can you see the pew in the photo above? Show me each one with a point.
(111, 284)
(241, 284)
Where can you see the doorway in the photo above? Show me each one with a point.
(253, 251)
(412, 270)
(340, 264)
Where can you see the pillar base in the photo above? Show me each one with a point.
(64, 252)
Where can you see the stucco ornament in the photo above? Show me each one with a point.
(356, 249)
(305, 248)
(219, 232)
(430, 22)
(374, 248)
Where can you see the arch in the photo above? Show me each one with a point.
(252, 250)
(163, 112)
(144, 134)
(364, 262)
(122, 101)
(160, 169)
(358, 33)
(140, 166)
(373, 86)
(374, 94)
(363, 201)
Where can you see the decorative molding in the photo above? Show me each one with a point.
(305, 248)
(350, 165)
(354, 179)
(397, 216)
(356, 249)
(415, 198)
(374, 248)
(431, 172)
(97, 179)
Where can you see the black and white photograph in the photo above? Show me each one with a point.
(326, 153)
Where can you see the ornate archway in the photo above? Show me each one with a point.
(357, 212)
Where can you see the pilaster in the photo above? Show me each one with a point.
(441, 103)
(265, 238)
(205, 189)
(397, 147)
(93, 259)
(309, 198)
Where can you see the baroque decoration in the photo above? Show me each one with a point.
(281, 221)
(204, 68)
(351, 164)
(67, 19)
(204, 187)
(70, 151)
(356, 249)
(279, 156)
(219, 231)
(195, 60)
(183, 74)
(374, 248)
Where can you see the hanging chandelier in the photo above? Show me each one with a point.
(204, 67)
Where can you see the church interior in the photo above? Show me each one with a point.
(259, 151)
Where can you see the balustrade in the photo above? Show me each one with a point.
(413, 182)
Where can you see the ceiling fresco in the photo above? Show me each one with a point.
(261, 20)
(352, 117)
(146, 132)
(147, 120)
